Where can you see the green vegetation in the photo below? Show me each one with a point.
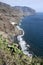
(11, 55)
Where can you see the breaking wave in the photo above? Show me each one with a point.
(22, 42)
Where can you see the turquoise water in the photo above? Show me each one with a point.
(33, 28)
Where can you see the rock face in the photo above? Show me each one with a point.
(23, 10)
(9, 14)
(10, 54)
(17, 9)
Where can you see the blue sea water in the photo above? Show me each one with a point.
(33, 28)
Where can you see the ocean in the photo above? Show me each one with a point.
(33, 33)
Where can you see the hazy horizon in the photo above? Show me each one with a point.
(35, 4)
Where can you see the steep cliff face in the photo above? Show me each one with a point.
(23, 10)
(11, 54)
(10, 14)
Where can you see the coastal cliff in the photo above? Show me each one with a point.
(12, 15)
(10, 52)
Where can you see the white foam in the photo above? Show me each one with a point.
(23, 43)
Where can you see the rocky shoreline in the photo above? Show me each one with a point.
(22, 42)
(10, 17)
(10, 51)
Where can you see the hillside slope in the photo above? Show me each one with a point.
(10, 53)
(9, 14)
